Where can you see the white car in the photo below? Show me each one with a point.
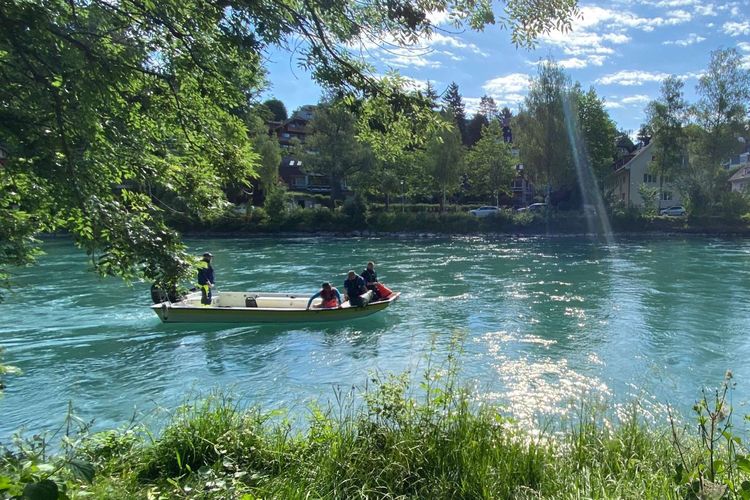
(534, 207)
(675, 211)
(485, 211)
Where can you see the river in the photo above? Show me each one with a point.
(544, 322)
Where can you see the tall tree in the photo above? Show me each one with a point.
(542, 134)
(431, 95)
(444, 161)
(666, 119)
(505, 119)
(491, 163)
(453, 106)
(277, 108)
(267, 146)
(146, 96)
(722, 108)
(331, 147)
(488, 108)
(597, 131)
(474, 128)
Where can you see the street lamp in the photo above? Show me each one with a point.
(402, 196)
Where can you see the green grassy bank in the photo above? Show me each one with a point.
(394, 442)
(356, 219)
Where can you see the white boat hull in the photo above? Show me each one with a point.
(260, 307)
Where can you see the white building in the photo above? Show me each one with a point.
(740, 181)
(632, 172)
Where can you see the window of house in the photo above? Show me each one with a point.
(291, 163)
(648, 178)
(666, 195)
(298, 181)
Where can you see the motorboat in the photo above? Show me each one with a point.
(262, 307)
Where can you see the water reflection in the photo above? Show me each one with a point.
(545, 321)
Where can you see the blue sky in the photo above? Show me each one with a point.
(624, 49)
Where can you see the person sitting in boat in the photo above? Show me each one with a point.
(206, 278)
(330, 295)
(356, 290)
(371, 278)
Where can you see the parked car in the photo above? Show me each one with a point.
(534, 207)
(675, 211)
(485, 211)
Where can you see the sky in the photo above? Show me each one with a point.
(623, 49)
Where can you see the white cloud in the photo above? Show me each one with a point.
(674, 3)
(706, 10)
(618, 19)
(636, 99)
(690, 40)
(732, 28)
(576, 62)
(744, 46)
(631, 78)
(437, 18)
(414, 83)
(612, 105)
(512, 83)
(471, 105)
(678, 17)
(407, 57)
(451, 41)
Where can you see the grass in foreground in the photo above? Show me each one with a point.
(437, 444)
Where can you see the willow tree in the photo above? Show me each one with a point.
(117, 113)
(444, 161)
(541, 130)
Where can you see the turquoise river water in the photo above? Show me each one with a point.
(544, 321)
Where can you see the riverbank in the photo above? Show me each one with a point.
(435, 443)
(323, 221)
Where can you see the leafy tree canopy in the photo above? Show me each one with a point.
(116, 114)
(277, 108)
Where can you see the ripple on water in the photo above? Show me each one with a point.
(546, 321)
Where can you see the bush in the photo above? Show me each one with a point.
(356, 208)
(276, 204)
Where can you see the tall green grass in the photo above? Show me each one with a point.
(404, 438)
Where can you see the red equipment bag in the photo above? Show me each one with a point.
(383, 290)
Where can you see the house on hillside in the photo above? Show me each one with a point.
(293, 128)
(740, 181)
(631, 171)
(290, 132)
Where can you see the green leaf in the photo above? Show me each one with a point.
(5, 483)
(743, 464)
(82, 469)
(43, 490)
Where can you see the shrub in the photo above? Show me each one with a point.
(276, 204)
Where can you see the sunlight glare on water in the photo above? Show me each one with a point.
(545, 322)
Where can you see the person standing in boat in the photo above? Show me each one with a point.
(356, 290)
(206, 278)
(371, 278)
(331, 297)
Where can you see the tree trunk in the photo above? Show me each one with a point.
(442, 202)
(387, 201)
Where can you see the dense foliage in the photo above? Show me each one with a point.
(115, 113)
(392, 440)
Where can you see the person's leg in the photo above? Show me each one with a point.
(205, 295)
